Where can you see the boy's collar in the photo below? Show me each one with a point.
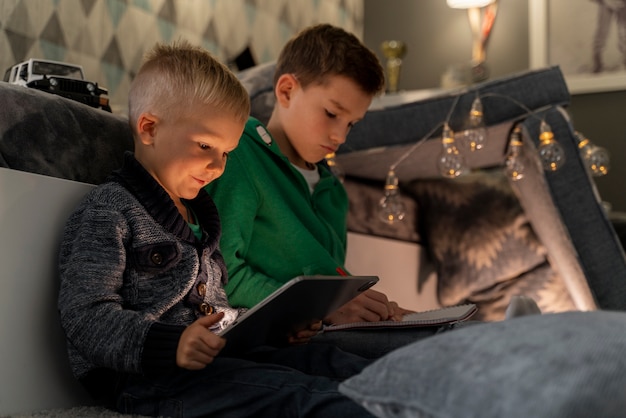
(134, 177)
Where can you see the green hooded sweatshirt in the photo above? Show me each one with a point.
(273, 228)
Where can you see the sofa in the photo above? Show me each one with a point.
(549, 238)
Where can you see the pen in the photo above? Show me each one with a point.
(341, 271)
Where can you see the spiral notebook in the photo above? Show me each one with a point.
(435, 317)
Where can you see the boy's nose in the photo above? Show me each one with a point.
(339, 136)
(217, 166)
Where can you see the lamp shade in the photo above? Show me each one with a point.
(467, 4)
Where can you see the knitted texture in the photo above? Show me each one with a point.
(127, 264)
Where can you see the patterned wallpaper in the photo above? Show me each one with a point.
(109, 37)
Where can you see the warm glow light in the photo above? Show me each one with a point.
(451, 163)
(551, 154)
(331, 161)
(513, 165)
(475, 135)
(596, 158)
(391, 207)
(467, 4)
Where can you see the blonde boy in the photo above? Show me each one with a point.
(141, 294)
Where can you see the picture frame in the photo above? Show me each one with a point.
(571, 25)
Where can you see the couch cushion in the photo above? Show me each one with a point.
(557, 365)
(48, 134)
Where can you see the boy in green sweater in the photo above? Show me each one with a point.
(283, 212)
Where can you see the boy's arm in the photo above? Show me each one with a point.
(237, 201)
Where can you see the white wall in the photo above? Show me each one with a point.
(399, 265)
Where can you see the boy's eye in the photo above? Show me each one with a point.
(205, 146)
(330, 114)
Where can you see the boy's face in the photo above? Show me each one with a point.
(187, 153)
(316, 120)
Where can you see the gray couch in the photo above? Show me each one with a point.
(51, 136)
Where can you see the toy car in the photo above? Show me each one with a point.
(59, 78)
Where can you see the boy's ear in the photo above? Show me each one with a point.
(285, 85)
(146, 128)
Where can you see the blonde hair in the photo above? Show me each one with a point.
(178, 78)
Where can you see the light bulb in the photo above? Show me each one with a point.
(392, 209)
(335, 168)
(451, 163)
(599, 161)
(551, 153)
(475, 135)
(596, 158)
(514, 168)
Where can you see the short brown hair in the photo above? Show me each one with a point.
(177, 78)
(323, 50)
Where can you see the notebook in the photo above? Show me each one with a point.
(434, 317)
(295, 304)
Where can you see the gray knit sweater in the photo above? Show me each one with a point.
(130, 267)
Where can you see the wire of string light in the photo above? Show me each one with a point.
(451, 162)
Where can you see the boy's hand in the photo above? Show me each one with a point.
(398, 312)
(304, 336)
(369, 306)
(198, 346)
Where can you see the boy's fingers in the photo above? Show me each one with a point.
(376, 295)
(209, 320)
(316, 326)
(378, 304)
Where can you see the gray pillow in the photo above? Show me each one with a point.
(259, 82)
(483, 246)
(48, 134)
(476, 232)
(570, 364)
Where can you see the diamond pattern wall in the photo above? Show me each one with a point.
(109, 37)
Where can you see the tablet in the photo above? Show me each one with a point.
(297, 303)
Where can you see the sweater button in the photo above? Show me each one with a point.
(206, 309)
(201, 289)
(156, 258)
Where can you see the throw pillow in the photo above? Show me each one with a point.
(557, 365)
(480, 240)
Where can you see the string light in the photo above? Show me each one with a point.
(392, 209)
(451, 162)
(513, 165)
(596, 158)
(475, 135)
(550, 152)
